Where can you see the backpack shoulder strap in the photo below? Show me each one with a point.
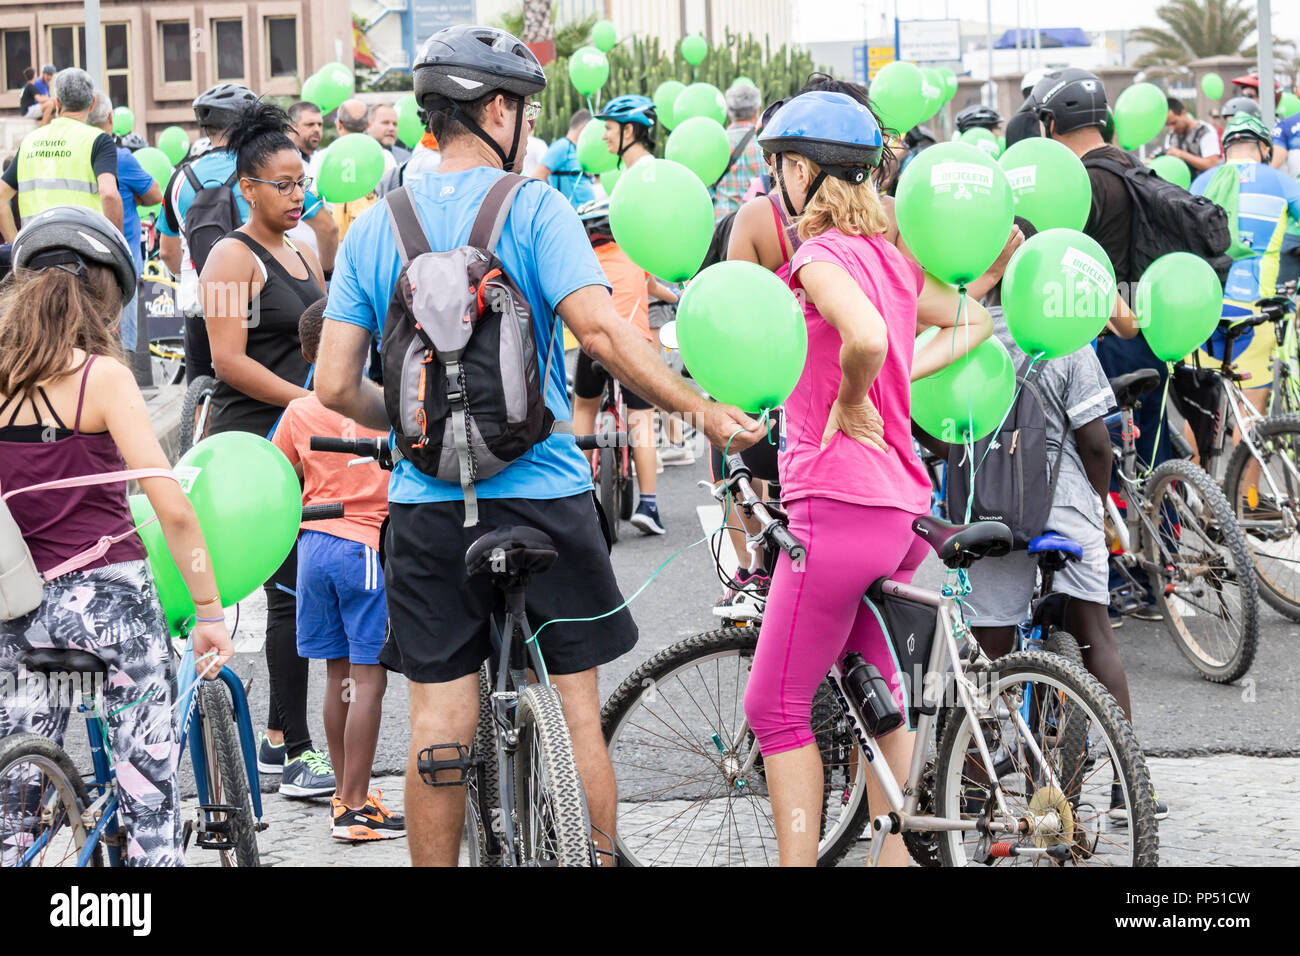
(491, 219)
(188, 170)
(735, 153)
(405, 223)
(1108, 164)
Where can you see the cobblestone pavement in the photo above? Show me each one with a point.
(1224, 811)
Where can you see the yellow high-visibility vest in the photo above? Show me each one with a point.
(54, 167)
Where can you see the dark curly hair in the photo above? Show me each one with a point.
(260, 132)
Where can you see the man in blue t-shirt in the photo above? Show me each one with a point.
(560, 166)
(1286, 159)
(474, 82)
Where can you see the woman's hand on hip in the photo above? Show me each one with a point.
(859, 421)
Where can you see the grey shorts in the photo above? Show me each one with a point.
(1001, 588)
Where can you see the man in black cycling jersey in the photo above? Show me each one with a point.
(474, 84)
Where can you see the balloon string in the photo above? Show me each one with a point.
(1164, 400)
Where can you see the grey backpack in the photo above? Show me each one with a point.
(462, 385)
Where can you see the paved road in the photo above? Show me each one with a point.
(1178, 714)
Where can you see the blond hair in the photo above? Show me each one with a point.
(853, 210)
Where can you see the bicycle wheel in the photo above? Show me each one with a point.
(483, 792)
(196, 412)
(227, 780)
(553, 825)
(42, 805)
(168, 357)
(674, 730)
(1271, 527)
(1207, 592)
(1100, 814)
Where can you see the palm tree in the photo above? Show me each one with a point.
(1196, 28)
(538, 26)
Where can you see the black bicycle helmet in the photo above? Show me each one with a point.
(74, 236)
(1241, 104)
(463, 63)
(978, 115)
(1070, 99)
(218, 107)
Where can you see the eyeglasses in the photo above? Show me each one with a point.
(285, 187)
(532, 110)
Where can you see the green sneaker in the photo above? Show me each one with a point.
(308, 775)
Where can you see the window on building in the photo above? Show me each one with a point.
(17, 52)
(174, 42)
(67, 46)
(228, 42)
(282, 42)
(117, 60)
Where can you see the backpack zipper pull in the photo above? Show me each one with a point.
(1015, 437)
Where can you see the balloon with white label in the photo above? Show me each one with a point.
(1049, 184)
(1058, 292)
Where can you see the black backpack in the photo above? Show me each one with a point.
(212, 215)
(1013, 483)
(462, 386)
(1167, 218)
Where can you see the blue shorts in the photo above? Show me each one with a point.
(341, 607)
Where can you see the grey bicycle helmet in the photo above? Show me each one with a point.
(978, 115)
(222, 104)
(134, 141)
(463, 63)
(595, 216)
(74, 236)
(199, 147)
(1070, 99)
(1241, 104)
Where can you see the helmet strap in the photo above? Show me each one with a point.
(507, 159)
(622, 128)
(816, 185)
(780, 180)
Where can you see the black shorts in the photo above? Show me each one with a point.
(439, 617)
(589, 382)
(760, 457)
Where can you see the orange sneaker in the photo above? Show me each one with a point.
(373, 821)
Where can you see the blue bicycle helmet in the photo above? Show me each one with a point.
(630, 109)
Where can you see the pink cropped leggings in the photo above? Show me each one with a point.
(815, 613)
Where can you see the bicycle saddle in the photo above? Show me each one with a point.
(1131, 386)
(961, 545)
(1051, 541)
(509, 551)
(55, 660)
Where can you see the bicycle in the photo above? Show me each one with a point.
(1178, 529)
(196, 413)
(611, 457)
(690, 775)
(527, 807)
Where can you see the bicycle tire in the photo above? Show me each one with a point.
(1096, 703)
(660, 670)
(547, 785)
(199, 392)
(1271, 590)
(1074, 737)
(483, 795)
(227, 780)
(1223, 532)
(53, 761)
(627, 498)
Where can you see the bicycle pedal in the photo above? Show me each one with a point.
(429, 768)
(208, 828)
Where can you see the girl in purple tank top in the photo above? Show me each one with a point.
(70, 408)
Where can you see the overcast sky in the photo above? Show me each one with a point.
(831, 19)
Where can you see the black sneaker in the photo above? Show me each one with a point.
(270, 758)
(1119, 810)
(374, 821)
(646, 519)
(308, 775)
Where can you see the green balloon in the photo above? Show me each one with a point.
(409, 128)
(588, 70)
(934, 90)
(609, 179)
(604, 36)
(742, 79)
(155, 163)
(700, 99)
(735, 301)
(949, 83)
(1212, 86)
(175, 142)
(1172, 169)
(123, 121)
(593, 155)
(694, 49)
(351, 168)
(898, 97)
(951, 190)
(335, 86)
(1178, 304)
(1058, 292)
(1140, 114)
(702, 146)
(662, 218)
(173, 592)
(968, 399)
(1049, 184)
(982, 139)
(1288, 106)
(665, 97)
(312, 91)
(249, 504)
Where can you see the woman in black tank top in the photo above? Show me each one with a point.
(254, 288)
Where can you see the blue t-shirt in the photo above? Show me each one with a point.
(573, 184)
(544, 249)
(211, 169)
(1287, 132)
(132, 182)
(41, 87)
(1267, 203)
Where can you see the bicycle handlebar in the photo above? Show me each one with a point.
(376, 448)
(323, 512)
(738, 480)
